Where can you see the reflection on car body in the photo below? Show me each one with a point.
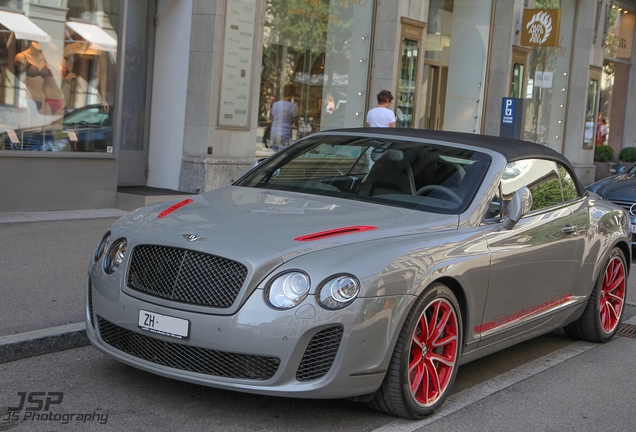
(361, 263)
(86, 129)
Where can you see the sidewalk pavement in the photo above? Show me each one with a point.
(44, 258)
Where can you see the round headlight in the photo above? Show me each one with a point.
(288, 290)
(115, 256)
(338, 292)
(101, 247)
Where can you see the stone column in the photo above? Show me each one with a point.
(214, 156)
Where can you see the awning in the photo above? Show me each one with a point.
(23, 27)
(99, 39)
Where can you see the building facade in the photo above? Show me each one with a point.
(97, 96)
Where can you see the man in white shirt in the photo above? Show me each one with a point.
(382, 116)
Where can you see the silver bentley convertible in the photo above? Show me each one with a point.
(361, 263)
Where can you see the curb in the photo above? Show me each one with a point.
(45, 341)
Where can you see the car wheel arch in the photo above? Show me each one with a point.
(458, 290)
(623, 246)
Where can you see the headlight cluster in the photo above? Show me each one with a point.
(290, 289)
(115, 255)
(338, 292)
(101, 247)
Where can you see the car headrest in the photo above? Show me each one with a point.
(386, 155)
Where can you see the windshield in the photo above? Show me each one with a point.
(413, 175)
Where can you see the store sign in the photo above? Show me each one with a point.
(238, 51)
(541, 27)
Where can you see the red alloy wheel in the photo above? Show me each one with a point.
(433, 355)
(612, 296)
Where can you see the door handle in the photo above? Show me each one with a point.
(569, 229)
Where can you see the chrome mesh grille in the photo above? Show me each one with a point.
(185, 276)
(320, 354)
(188, 358)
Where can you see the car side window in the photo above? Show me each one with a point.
(541, 176)
(569, 187)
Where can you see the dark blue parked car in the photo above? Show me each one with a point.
(621, 190)
(87, 129)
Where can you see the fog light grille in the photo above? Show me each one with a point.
(89, 299)
(320, 354)
(188, 358)
(185, 276)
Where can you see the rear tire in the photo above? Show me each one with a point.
(604, 309)
(425, 360)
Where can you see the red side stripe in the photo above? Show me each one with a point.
(177, 206)
(335, 232)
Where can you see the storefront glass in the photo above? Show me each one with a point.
(616, 74)
(456, 55)
(547, 89)
(315, 67)
(57, 75)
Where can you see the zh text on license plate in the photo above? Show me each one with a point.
(163, 324)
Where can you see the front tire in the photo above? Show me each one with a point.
(425, 360)
(604, 309)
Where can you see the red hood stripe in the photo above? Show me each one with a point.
(177, 206)
(335, 232)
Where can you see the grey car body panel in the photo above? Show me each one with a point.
(479, 259)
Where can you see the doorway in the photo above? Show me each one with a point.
(432, 97)
(136, 59)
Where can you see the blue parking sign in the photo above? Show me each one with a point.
(508, 111)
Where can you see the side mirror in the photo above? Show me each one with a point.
(519, 205)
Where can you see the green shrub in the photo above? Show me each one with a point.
(603, 153)
(628, 154)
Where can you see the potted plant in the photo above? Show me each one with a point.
(627, 156)
(602, 157)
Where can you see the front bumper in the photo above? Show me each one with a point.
(303, 352)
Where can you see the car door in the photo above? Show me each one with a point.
(533, 265)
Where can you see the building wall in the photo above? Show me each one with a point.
(505, 17)
(584, 53)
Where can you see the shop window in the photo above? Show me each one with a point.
(408, 84)
(591, 118)
(548, 75)
(314, 68)
(52, 71)
(456, 54)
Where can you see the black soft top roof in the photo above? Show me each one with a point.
(511, 149)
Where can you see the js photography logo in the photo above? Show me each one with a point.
(42, 407)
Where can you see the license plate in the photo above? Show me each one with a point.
(163, 324)
(633, 229)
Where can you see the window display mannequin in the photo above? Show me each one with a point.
(39, 80)
(77, 57)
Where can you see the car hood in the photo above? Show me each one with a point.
(621, 187)
(250, 224)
